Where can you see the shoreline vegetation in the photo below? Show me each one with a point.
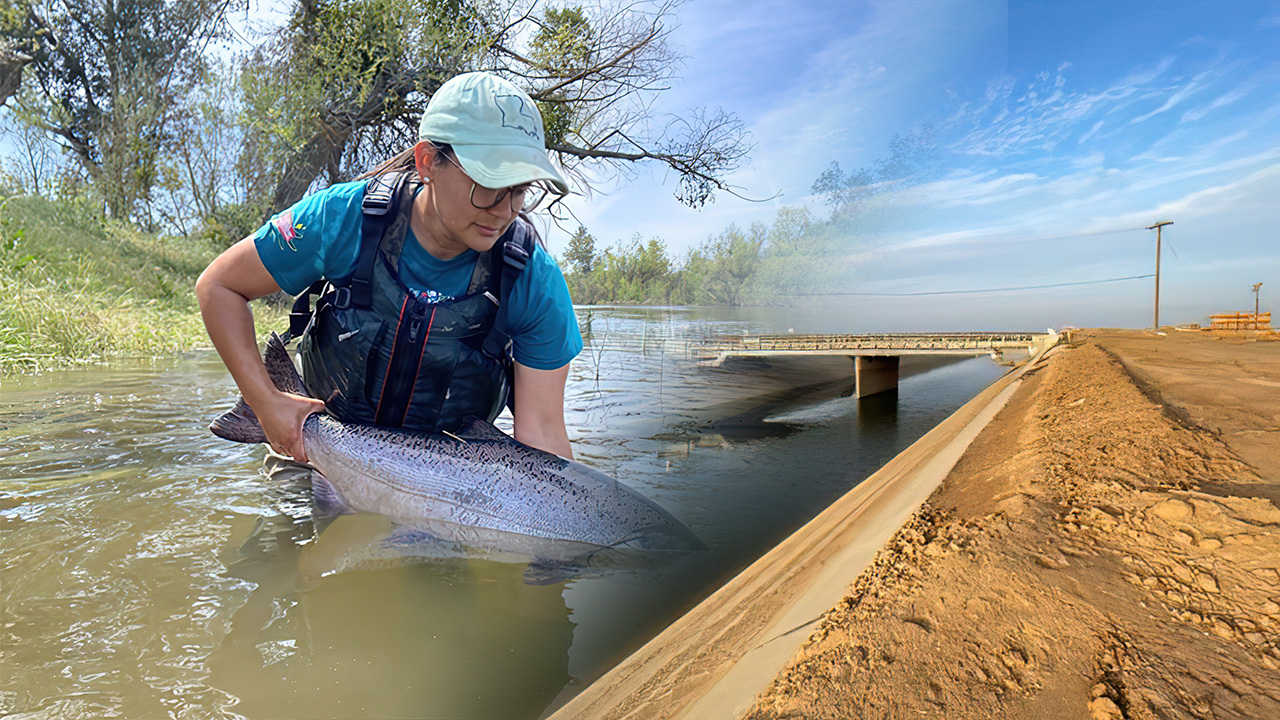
(80, 288)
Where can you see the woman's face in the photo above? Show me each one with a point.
(452, 223)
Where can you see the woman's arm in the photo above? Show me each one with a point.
(539, 409)
(224, 290)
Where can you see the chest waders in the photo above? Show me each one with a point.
(379, 354)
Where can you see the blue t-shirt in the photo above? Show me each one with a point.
(319, 237)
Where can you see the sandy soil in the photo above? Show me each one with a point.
(1108, 547)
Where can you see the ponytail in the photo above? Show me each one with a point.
(403, 160)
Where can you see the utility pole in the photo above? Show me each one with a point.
(1255, 304)
(1157, 227)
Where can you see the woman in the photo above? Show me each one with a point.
(437, 299)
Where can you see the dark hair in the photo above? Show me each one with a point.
(403, 160)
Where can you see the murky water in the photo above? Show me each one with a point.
(149, 569)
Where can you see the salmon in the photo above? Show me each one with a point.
(478, 477)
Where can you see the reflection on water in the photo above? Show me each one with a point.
(149, 569)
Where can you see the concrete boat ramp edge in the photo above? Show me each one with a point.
(714, 660)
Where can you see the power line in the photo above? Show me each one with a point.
(986, 290)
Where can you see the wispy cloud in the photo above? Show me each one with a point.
(1045, 114)
(1182, 93)
(1252, 192)
(1221, 101)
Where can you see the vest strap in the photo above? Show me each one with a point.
(516, 252)
(379, 209)
(300, 316)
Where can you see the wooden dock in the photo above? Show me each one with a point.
(1240, 321)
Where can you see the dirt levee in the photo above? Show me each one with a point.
(1108, 547)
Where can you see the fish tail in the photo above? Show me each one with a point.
(280, 367)
(240, 424)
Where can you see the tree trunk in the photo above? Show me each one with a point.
(305, 166)
(11, 64)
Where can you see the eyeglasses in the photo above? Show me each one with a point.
(524, 198)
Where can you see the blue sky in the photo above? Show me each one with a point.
(1066, 128)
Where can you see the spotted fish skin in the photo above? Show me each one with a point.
(477, 477)
(484, 479)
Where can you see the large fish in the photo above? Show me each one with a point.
(478, 481)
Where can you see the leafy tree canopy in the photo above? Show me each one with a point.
(343, 85)
(109, 80)
(913, 158)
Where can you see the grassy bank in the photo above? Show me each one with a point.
(78, 288)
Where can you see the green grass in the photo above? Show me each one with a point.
(75, 288)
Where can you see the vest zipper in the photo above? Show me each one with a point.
(406, 358)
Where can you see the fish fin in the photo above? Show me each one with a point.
(280, 367)
(542, 571)
(326, 497)
(407, 537)
(473, 428)
(240, 424)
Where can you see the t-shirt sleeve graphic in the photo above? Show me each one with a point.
(319, 237)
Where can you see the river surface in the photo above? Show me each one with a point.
(149, 569)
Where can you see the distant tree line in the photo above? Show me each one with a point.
(763, 263)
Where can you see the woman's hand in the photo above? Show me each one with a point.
(282, 416)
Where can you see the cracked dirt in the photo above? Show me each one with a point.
(1101, 551)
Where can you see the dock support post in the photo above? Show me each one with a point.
(875, 374)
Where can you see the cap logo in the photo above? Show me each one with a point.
(514, 114)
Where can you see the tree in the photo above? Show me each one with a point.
(561, 47)
(346, 81)
(913, 158)
(846, 194)
(23, 36)
(789, 229)
(204, 187)
(606, 67)
(36, 166)
(111, 82)
(732, 258)
(641, 263)
(635, 272)
(580, 255)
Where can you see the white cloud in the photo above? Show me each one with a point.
(1049, 113)
(1239, 196)
(1092, 131)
